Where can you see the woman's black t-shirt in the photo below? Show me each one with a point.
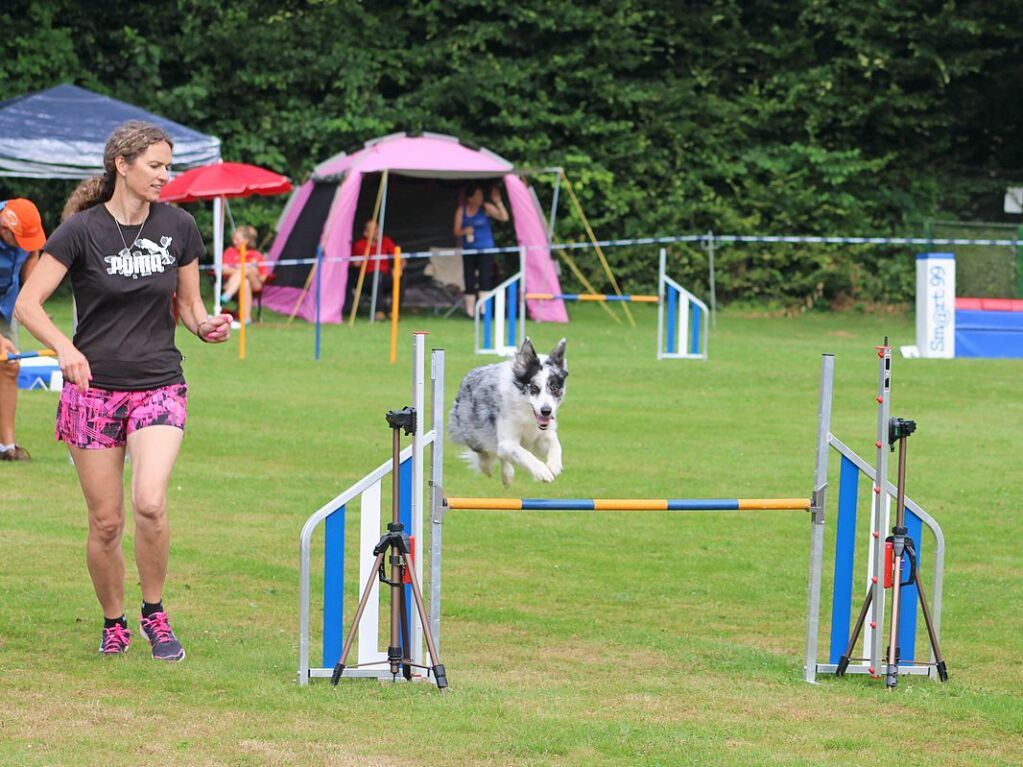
(124, 295)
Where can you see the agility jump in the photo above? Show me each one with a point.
(845, 588)
(628, 504)
(682, 319)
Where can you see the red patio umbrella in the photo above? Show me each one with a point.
(224, 179)
(219, 181)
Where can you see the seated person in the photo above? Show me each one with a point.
(371, 244)
(256, 270)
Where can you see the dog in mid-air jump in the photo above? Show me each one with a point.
(507, 411)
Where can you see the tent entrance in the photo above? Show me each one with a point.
(305, 237)
(419, 216)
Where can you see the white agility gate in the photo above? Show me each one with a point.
(846, 587)
(499, 320)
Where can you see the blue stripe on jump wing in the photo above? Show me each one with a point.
(935, 257)
(672, 322)
(333, 586)
(488, 331)
(908, 597)
(556, 504)
(694, 340)
(845, 549)
(513, 311)
(701, 504)
(405, 517)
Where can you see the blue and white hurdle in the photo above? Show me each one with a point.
(847, 588)
(499, 320)
(682, 318)
(336, 517)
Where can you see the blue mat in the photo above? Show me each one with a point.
(989, 334)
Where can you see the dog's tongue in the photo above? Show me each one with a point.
(543, 420)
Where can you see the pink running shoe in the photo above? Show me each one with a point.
(156, 628)
(115, 640)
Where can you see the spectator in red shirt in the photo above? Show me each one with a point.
(371, 244)
(255, 267)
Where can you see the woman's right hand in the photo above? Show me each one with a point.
(467, 231)
(74, 367)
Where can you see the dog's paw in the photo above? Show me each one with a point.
(542, 474)
(486, 464)
(507, 473)
(554, 466)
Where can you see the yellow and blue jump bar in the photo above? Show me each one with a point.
(628, 504)
(590, 297)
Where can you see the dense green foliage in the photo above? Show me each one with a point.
(795, 117)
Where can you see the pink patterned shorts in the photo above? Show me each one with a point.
(97, 418)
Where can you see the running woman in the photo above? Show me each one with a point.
(133, 263)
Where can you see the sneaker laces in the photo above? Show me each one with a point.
(115, 637)
(158, 628)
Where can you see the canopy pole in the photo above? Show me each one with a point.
(593, 239)
(218, 252)
(369, 247)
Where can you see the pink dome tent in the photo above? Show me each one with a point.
(425, 172)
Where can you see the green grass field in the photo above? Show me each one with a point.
(570, 639)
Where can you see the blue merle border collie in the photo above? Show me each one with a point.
(507, 412)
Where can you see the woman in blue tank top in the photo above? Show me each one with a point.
(472, 228)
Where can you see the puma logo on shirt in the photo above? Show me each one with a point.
(150, 258)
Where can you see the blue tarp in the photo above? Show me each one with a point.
(60, 133)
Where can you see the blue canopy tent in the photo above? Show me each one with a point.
(60, 133)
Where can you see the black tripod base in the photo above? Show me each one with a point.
(438, 673)
(441, 676)
(942, 671)
(843, 664)
(891, 677)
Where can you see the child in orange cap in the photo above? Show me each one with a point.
(21, 238)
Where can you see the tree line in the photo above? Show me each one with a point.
(769, 117)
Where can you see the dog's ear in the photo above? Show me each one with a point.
(526, 363)
(526, 349)
(557, 356)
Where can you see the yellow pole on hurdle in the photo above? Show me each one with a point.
(563, 254)
(395, 301)
(593, 239)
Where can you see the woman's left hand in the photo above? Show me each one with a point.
(216, 329)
